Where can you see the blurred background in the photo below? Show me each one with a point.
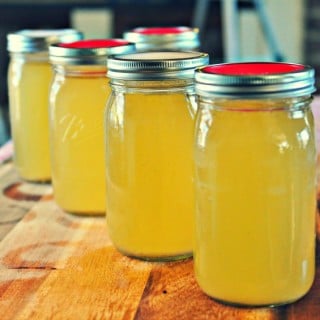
(230, 30)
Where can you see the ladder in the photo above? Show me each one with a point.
(230, 27)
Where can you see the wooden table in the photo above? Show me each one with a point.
(58, 266)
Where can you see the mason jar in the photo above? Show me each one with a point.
(77, 101)
(149, 153)
(29, 78)
(255, 182)
(164, 38)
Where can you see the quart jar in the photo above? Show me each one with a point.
(149, 130)
(164, 38)
(78, 97)
(255, 181)
(29, 78)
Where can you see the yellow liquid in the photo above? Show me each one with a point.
(150, 197)
(255, 207)
(77, 143)
(28, 85)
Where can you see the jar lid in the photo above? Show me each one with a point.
(255, 80)
(91, 51)
(30, 41)
(156, 65)
(164, 38)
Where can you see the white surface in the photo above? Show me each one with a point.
(94, 23)
(286, 17)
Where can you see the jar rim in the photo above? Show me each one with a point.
(168, 30)
(88, 51)
(156, 65)
(255, 80)
(37, 40)
(164, 38)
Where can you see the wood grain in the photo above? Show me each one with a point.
(172, 293)
(58, 266)
(17, 197)
(101, 284)
(55, 265)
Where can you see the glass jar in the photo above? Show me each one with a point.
(77, 101)
(29, 78)
(149, 129)
(255, 181)
(164, 38)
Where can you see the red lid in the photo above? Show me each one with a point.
(161, 30)
(95, 43)
(252, 68)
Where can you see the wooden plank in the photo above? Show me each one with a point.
(81, 276)
(307, 308)
(16, 288)
(6, 228)
(80, 263)
(17, 197)
(55, 265)
(101, 285)
(47, 236)
(172, 293)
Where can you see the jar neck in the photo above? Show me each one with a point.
(41, 56)
(85, 71)
(165, 85)
(295, 103)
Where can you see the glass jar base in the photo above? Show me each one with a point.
(84, 213)
(254, 305)
(36, 180)
(178, 257)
